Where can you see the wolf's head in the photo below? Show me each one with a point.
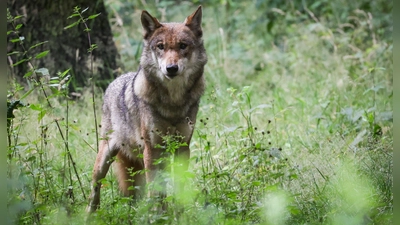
(173, 52)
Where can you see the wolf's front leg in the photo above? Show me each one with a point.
(104, 158)
(181, 166)
(150, 154)
(183, 153)
(156, 184)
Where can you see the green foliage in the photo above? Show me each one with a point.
(240, 165)
(295, 126)
(33, 187)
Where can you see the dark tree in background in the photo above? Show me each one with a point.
(44, 20)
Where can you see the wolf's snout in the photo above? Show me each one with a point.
(172, 69)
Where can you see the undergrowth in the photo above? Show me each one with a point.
(295, 126)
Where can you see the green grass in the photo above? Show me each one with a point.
(295, 126)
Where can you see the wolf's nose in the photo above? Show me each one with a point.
(172, 69)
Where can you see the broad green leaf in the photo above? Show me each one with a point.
(64, 73)
(15, 40)
(256, 183)
(42, 54)
(93, 16)
(73, 15)
(13, 53)
(32, 158)
(40, 43)
(19, 62)
(36, 107)
(42, 113)
(28, 74)
(72, 25)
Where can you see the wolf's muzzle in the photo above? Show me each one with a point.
(172, 70)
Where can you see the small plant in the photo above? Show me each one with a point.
(30, 171)
(82, 20)
(242, 165)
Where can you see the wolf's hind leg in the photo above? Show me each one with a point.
(130, 185)
(105, 156)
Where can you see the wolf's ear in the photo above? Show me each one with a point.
(149, 24)
(194, 22)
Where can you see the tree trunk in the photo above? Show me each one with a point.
(44, 20)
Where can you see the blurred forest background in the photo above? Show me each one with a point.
(295, 126)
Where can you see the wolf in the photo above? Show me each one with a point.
(161, 98)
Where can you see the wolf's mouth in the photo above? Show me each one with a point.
(171, 75)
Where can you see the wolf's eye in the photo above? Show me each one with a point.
(160, 46)
(182, 46)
